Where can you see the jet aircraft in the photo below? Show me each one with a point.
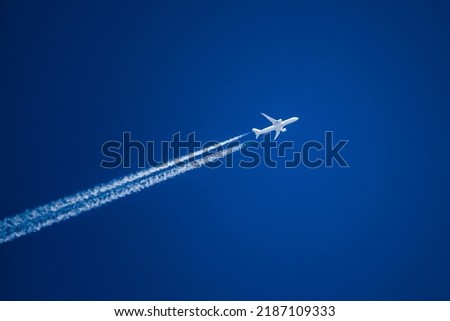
(277, 125)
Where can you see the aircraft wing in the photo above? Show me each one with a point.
(277, 133)
(273, 121)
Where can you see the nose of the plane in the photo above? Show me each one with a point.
(296, 118)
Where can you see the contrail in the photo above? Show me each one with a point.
(94, 192)
(65, 208)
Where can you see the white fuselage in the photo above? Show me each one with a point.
(278, 126)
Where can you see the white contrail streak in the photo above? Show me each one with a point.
(94, 192)
(65, 208)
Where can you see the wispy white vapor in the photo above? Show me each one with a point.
(65, 208)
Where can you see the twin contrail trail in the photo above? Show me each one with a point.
(67, 207)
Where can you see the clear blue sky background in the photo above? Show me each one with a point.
(77, 73)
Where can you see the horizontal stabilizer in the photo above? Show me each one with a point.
(256, 131)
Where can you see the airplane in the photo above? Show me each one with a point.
(277, 125)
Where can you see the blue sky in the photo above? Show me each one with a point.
(76, 74)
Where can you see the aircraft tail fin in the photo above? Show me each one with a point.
(256, 131)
